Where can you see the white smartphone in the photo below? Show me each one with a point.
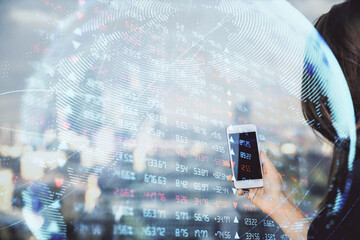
(244, 156)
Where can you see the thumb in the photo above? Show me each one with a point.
(267, 165)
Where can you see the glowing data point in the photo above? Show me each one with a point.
(53, 227)
(237, 236)
(229, 103)
(229, 93)
(76, 44)
(61, 162)
(55, 204)
(232, 152)
(234, 190)
(79, 15)
(235, 204)
(59, 182)
(77, 31)
(231, 140)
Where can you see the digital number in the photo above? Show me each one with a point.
(152, 231)
(155, 163)
(181, 183)
(250, 221)
(201, 172)
(181, 199)
(254, 236)
(148, 178)
(270, 236)
(181, 168)
(182, 215)
(201, 217)
(201, 186)
(181, 139)
(245, 155)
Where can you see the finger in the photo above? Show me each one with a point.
(268, 167)
(227, 164)
(240, 192)
(229, 178)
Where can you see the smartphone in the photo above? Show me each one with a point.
(244, 156)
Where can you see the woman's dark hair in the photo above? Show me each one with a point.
(340, 28)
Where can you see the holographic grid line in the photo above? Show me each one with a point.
(26, 90)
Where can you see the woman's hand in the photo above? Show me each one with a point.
(272, 200)
(269, 197)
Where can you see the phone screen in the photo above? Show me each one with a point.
(244, 152)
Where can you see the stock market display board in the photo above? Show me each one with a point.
(122, 132)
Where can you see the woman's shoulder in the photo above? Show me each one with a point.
(345, 225)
